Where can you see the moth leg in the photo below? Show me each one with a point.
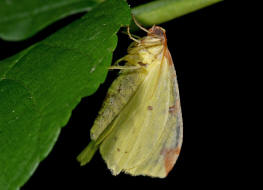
(118, 61)
(135, 21)
(126, 67)
(131, 37)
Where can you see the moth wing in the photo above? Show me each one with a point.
(140, 126)
(148, 142)
(117, 96)
(166, 151)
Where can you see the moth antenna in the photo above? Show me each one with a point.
(137, 24)
(130, 36)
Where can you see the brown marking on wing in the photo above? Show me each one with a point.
(170, 156)
(177, 151)
(142, 64)
(150, 108)
(172, 109)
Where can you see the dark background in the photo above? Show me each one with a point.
(199, 44)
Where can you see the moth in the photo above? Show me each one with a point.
(139, 128)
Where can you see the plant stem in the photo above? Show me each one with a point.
(160, 11)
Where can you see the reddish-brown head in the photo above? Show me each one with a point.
(157, 31)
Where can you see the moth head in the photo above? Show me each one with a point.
(157, 32)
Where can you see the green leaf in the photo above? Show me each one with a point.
(20, 19)
(40, 86)
(157, 12)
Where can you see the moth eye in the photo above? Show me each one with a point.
(158, 32)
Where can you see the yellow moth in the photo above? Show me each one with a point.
(139, 128)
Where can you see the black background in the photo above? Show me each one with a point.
(199, 44)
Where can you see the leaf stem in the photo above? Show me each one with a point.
(160, 11)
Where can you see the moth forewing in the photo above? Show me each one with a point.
(139, 131)
(165, 151)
